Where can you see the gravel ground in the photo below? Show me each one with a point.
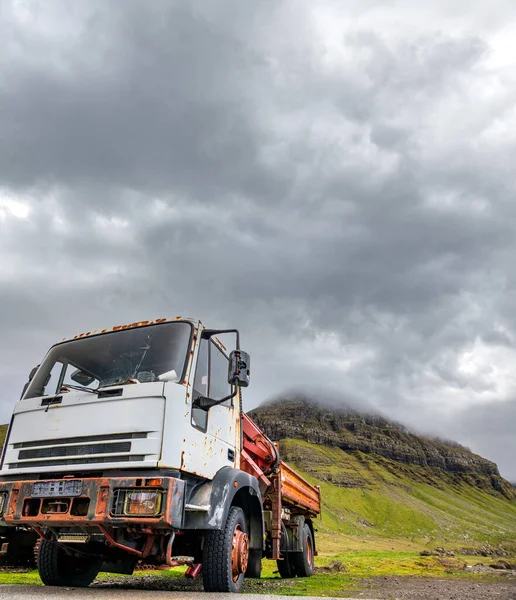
(176, 584)
(23, 592)
(501, 587)
(491, 585)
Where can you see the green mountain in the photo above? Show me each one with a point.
(379, 480)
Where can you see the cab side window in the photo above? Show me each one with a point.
(219, 386)
(211, 380)
(51, 385)
(200, 387)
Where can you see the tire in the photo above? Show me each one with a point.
(303, 562)
(20, 549)
(223, 567)
(254, 566)
(58, 568)
(286, 567)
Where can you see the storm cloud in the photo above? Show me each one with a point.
(335, 179)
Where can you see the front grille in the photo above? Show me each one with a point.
(82, 439)
(59, 451)
(77, 461)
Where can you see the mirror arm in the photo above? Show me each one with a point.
(199, 401)
(208, 333)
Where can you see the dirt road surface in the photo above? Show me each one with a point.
(502, 587)
(377, 588)
(31, 592)
(408, 588)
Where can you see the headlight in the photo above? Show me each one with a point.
(137, 503)
(3, 502)
(142, 503)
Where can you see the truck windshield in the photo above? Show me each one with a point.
(141, 353)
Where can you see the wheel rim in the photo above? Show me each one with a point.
(309, 551)
(239, 553)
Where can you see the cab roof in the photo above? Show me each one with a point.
(195, 322)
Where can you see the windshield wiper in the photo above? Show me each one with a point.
(124, 382)
(77, 387)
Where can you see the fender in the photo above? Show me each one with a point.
(208, 504)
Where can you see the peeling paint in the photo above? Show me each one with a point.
(218, 512)
(132, 326)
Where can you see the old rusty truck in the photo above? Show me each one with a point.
(129, 446)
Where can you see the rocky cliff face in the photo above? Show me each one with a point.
(304, 419)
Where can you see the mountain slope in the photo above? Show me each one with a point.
(378, 479)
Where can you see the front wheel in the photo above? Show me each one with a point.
(226, 554)
(56, 567)
(304, 561)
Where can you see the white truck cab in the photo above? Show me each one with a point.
(126, 398)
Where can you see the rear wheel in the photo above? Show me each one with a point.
(226, 554)
(303, 562)
(286, 566)
(56, 567)
(254, 566)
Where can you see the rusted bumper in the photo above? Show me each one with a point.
(94, 504)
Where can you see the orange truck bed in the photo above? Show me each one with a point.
(260, 457)
(296, 492)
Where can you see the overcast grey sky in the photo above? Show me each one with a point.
(335, 178)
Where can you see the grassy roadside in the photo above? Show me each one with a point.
(338, 575)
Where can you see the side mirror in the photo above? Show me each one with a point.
(239, 368)
(31, 377)
(24, 389)
(82, 378)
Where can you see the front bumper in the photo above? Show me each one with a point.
(92, 507)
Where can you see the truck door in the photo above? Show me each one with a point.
(211, 379)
